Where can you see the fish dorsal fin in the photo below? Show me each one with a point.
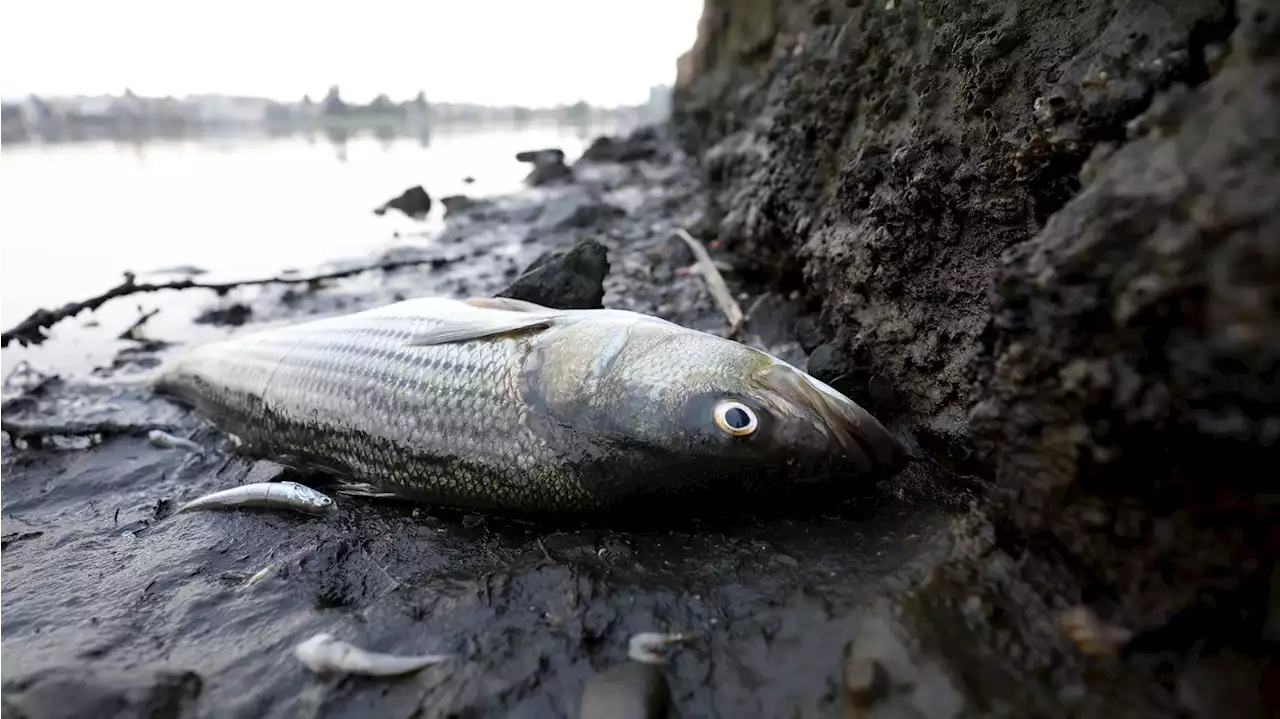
(505, 303)
(484, 322)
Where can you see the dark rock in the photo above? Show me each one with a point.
(548, 166)
(829, 362)
(547, 174)
(233, 315)
(458, 204)
(565, 280)
(413, 202)
(590, 214)
(92, 693)
(810, 335)
(548, 156)
(643, 144)
(574, 213)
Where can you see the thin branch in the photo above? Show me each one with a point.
(31, 330)
(17, 429)
(737, 329)
(715, 282)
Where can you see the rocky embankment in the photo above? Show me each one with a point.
(1045, 240)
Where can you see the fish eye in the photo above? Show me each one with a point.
(736, 419)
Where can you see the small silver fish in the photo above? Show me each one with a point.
(283, 495)
(643, 647)
(164, 440)
(499, 404)
(324, 653)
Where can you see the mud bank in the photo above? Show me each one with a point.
(114, 606)
(1052, 230)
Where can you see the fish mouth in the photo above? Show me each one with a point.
(861, 437)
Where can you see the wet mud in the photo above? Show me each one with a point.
(116, 607)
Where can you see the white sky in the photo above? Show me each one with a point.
(527, 52)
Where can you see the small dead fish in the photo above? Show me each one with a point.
(501, 404)
(164, 440)
(259, 575)
(281, 495)
(324, 653)
(642, 647)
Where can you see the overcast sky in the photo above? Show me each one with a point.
(527, 52)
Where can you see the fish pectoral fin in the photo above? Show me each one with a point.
(506, 303)
(473, 328)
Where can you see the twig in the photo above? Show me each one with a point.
(17, 429)
(715, 282)
(735, 330)
(31, 330)
(133, 332)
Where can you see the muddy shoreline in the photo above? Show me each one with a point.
(116, 602)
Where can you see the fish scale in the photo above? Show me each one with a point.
(443, 422)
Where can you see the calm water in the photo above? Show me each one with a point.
(75, 216)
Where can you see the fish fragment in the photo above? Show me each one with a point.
(164, 440)
(280, 495)
(497, 404)
(324, 653)
(642, 647)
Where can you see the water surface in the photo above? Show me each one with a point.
(78, 215)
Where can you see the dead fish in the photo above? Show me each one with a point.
(324, 653)
(164, 440)
(500, 404)
(282, 495)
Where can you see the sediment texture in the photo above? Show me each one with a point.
(1055, 229)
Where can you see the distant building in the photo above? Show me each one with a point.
(227, 109)
(12, 126)
(658, 109)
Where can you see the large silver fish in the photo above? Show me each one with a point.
(506, 405)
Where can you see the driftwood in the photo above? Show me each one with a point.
(715, 282)
(31, 330)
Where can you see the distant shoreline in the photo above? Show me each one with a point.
(334, 129)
